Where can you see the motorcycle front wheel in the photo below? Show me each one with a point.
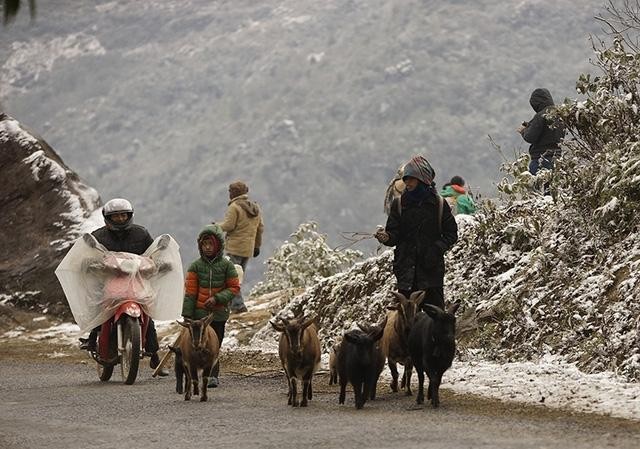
(104, 372)
(131, 349)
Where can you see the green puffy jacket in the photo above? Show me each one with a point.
(216, 277)
(458, 199)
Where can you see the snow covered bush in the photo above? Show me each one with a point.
(304, 260)
(557, 275)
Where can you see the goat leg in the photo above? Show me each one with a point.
(194, 379)
(394, 375)
(408, 370)
(294, 392)
(305, 391)
(179, 371)
(365, 391)
(343, 391)
(434, 386)
(420, 398)
(187, 386)
(357, 390)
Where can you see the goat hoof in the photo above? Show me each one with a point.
(203, 399)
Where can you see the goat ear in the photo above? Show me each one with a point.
(183, 323)
(308, 322)
(400, 298)
(454, 308)
(207, 320)
(434, 312)
(278, 327)
(417, 297)
(377, 335)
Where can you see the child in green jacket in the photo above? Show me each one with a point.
(210, 285)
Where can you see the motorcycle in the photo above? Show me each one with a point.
(120, 292)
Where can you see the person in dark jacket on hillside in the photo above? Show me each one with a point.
(210, 286)
(543, 133)
(121, 235)
(421, 227)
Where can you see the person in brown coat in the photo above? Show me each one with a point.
(243, 226)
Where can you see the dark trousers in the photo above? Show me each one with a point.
(150, 341)
(433, 296)
(218, 327)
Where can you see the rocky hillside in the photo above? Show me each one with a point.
(45, 206)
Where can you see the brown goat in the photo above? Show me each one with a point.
(198, 350)
(395, 347)
(299, 351)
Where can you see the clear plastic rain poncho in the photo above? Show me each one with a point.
(96, 281)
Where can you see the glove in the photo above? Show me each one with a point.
(382, 236)
(256, 252)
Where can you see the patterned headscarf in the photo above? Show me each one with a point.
(418, 167)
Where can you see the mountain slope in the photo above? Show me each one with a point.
(314, 104)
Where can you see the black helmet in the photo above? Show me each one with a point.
(117, 206)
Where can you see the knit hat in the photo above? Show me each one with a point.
(457, 180)
(237, 188)
(418, 167)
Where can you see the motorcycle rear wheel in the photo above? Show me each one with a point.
(131, 354)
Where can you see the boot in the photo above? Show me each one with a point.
(89, 344)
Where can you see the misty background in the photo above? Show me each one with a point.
(313, 104)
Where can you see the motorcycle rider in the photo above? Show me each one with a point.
(122, 235)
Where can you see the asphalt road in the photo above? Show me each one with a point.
(58, 404)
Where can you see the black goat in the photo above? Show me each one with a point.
(378, 354)
(357, 364)
(432, 346)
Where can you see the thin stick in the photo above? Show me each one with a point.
(164, 359)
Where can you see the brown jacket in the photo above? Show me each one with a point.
(243, 225)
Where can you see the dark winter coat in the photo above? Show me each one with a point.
(420, 242)
(542, 133)
(135, 239)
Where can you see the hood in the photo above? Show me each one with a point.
(216, 231)
(250, 207)
(540, 99)
(418, 167)
(452, 190)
